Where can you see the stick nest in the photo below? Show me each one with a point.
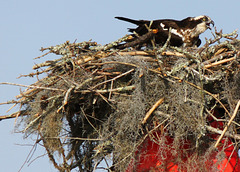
(98, 102)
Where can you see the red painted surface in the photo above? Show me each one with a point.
(155, 158)
(150, 159)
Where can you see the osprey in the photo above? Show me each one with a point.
(183, 32)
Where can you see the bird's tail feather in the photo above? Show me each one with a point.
(137, 22)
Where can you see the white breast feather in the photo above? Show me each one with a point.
(200, 28)
(163, 26)
(174, 31)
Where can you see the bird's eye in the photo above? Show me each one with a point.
(204, 19)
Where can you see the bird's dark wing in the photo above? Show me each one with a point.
(163, 27)
(137, 22)
(166, 24)
(141, 29)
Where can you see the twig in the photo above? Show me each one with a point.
(31, 86)
(113, 79)
(43, 55)
(167, 42)
(39, 115)
(14, 115)
(230, 157)
(219, 62)
(133, 53)
(228, 124)
(206, 78)
(29, 91)
(75, 138)
(217, 131)
(46, 63)
(148, 114)
(219, 56)
(66, 98)
(50, 155)
(105, 99)
(128, 64)
(113, 62)
(111, 87)
(234, 33)
(219, 35)
(84, 60)
(10, 102)
(87, 81)
(38, 157)
(143, 53)
(169, 53)
(140, 40)
(187, 54)
(120, 89)
(115, 43)
(89, 122)
(30, 154)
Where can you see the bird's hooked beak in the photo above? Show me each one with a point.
(208, 23)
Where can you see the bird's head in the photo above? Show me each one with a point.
(204, 20)
(201, 24)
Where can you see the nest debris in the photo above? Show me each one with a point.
(98, 102)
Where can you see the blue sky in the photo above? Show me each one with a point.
(27, 25)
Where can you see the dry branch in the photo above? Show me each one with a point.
(134, 53)
(32, 86)
(218, 56)
(228, 124)
(219, 62)
(139, 40)
(14, 115)
(148, 114)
